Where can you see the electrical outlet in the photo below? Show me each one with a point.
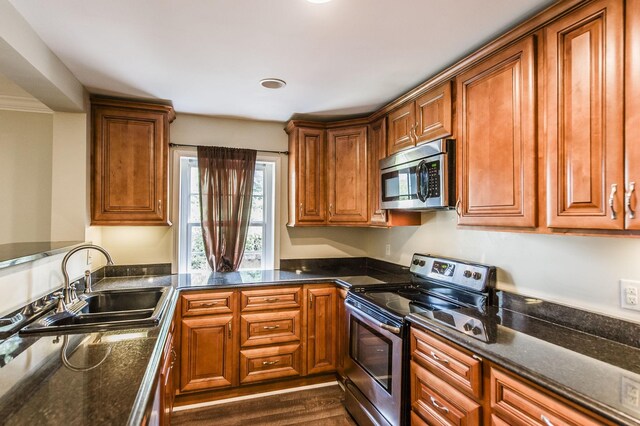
(629, 294)
(387, 250)
(630, 393)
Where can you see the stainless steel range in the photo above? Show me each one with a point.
(450, 292)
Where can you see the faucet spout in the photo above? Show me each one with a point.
(66, 289)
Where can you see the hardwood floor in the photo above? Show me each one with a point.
(320, 406)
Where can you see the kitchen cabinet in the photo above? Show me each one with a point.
(514, 401)
(497, 139)
(307, 176)
(167, 378)
(632, 111)
(129, 176)
(424, 119)
(347, 180)
(208, 354)
(321, 328)
(342, 338)
(585, 117)
(450, 385)
(377, 147)
(270, 334)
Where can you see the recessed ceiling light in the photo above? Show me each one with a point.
(318, 1)
(272, 83)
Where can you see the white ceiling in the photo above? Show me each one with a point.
(341, 58)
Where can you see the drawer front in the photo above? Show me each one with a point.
(207, 303)
(269, 363)
(444, 406)
(517, 402)
(271, 298)
(270, 328)
(416, 420)
(458, 367)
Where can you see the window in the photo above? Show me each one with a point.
(259, 247)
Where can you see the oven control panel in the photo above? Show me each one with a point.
(472, 276)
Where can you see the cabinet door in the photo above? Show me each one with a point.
(401, 123)
(321, 330)
(497, 139)
(377, 142)
(342, 339)
(585, 118)
(434, 114)
(307, 168)
(167, 377)
(347, 164)
(129, 166)
(632, 96)
(208, 359)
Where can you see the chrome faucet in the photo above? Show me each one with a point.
(69, 295)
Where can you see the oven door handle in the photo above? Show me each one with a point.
(391, 328)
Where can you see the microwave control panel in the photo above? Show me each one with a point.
(433, 173)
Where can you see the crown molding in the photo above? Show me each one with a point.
(23, 104)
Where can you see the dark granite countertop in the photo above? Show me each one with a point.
(36, 387)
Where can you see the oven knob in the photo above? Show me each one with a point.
(476, 330)
(415, 261)
(467, 274)
(421, 263)
(468, 326)
(477, 275)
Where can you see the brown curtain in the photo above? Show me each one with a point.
(226, 184)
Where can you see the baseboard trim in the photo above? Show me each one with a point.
(253, 396)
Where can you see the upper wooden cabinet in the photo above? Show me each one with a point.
(497, 139)
(632, 110)
(347, 165)
(585, 117)
(130, 161)
(424, 119)
(307, 181)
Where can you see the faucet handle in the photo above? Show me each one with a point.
(60, 307)
(87, 282)
(74, 294)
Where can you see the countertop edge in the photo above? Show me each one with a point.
(582, 400)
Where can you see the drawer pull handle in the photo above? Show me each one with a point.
(269, 362)
(210, 304)
(546, 420)
(271, 327)
(272, 299)
(437, 358)
(438, 406)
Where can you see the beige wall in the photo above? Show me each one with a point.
(25, 176)
(156, 244)
(578, 271)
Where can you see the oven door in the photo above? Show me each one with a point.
(374, 364)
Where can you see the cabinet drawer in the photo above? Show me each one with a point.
(271, 298)
(444, 406)
(269, 363)
(517, 402)
(269, 328)
(456, 366)
(207, 303)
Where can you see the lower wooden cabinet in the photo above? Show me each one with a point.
(321, 329)
(167, 380)
(452, 386)
(207, 353)
(238, 337)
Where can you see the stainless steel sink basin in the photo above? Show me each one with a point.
(122, 300)
(107, 310)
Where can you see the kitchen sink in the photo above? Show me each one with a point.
(106, 310)
(122, 300)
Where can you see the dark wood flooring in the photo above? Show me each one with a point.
(321, 406)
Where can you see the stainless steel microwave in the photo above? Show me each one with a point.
(421, 178)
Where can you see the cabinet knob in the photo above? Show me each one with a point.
(627, 200)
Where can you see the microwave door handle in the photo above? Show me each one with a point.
(420, 170)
